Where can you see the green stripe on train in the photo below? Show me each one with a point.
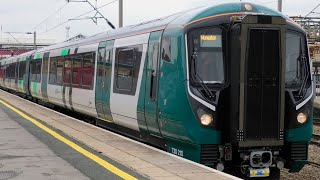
(37, 56)
(34, 89)
(20, 85)
(64, 52)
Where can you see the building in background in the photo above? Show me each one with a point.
(10, 46)
(312, 26)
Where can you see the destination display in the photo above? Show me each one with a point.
(210, 41)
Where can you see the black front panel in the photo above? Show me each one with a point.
(263, 85)
(209, 154)
(298, 151)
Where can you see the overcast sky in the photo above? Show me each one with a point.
(26, 15)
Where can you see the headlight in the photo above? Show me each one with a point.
(206, 119)
(302, 117)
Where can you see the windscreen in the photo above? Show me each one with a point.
(208, 51)
(294, 69)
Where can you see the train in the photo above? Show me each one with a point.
(227, 86)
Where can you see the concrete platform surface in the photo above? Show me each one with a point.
(23, 156)
(137, 159)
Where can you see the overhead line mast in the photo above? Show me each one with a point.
(280, 5)
(120, 13)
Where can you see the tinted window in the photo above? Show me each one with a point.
(53, 70)
(35, 70)
(22, 69)
(88, 69)
(67, 70)
(10, 71)
(2, 71)
(109, 56)
(127, 67)
(76, 70)
(59, 70)
(124, 70)
(5, 68)
(101, 59)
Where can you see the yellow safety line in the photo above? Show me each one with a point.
(74, 146)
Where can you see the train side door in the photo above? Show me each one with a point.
(44, 79)
(104, 80)
(26, 79)
(151, 95)
(100, 76)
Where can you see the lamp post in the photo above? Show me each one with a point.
(280, 5)
(120, 13)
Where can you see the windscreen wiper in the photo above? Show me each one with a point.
(305, 67)
(207, 91)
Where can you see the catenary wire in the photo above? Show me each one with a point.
(77, 17)
(39, 34)
(50, 16)
(312, 10)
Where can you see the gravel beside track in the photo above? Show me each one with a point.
(311, 171)
(316, 130)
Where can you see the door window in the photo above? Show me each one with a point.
(155, 52)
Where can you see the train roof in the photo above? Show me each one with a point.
(176, 20)
(15, 58)
(180, 20)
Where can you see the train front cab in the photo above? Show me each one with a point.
(251, 82)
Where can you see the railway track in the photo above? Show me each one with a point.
(314, 164)
(316, 121)
(315, 139)
(316, 116)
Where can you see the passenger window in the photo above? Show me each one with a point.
(1, 71)
(53, 70)
(127, 65)
(11, 71)
(22, 69)
(14, 70)
(67, 70)
(59, 70)
(8, 71)
(76, 70)
(5, 67)
(88, 69)
(36, 70)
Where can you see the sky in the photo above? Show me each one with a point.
(49, 18)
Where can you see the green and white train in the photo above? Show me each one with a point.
(226, 85)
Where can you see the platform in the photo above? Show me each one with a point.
(39, 143)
